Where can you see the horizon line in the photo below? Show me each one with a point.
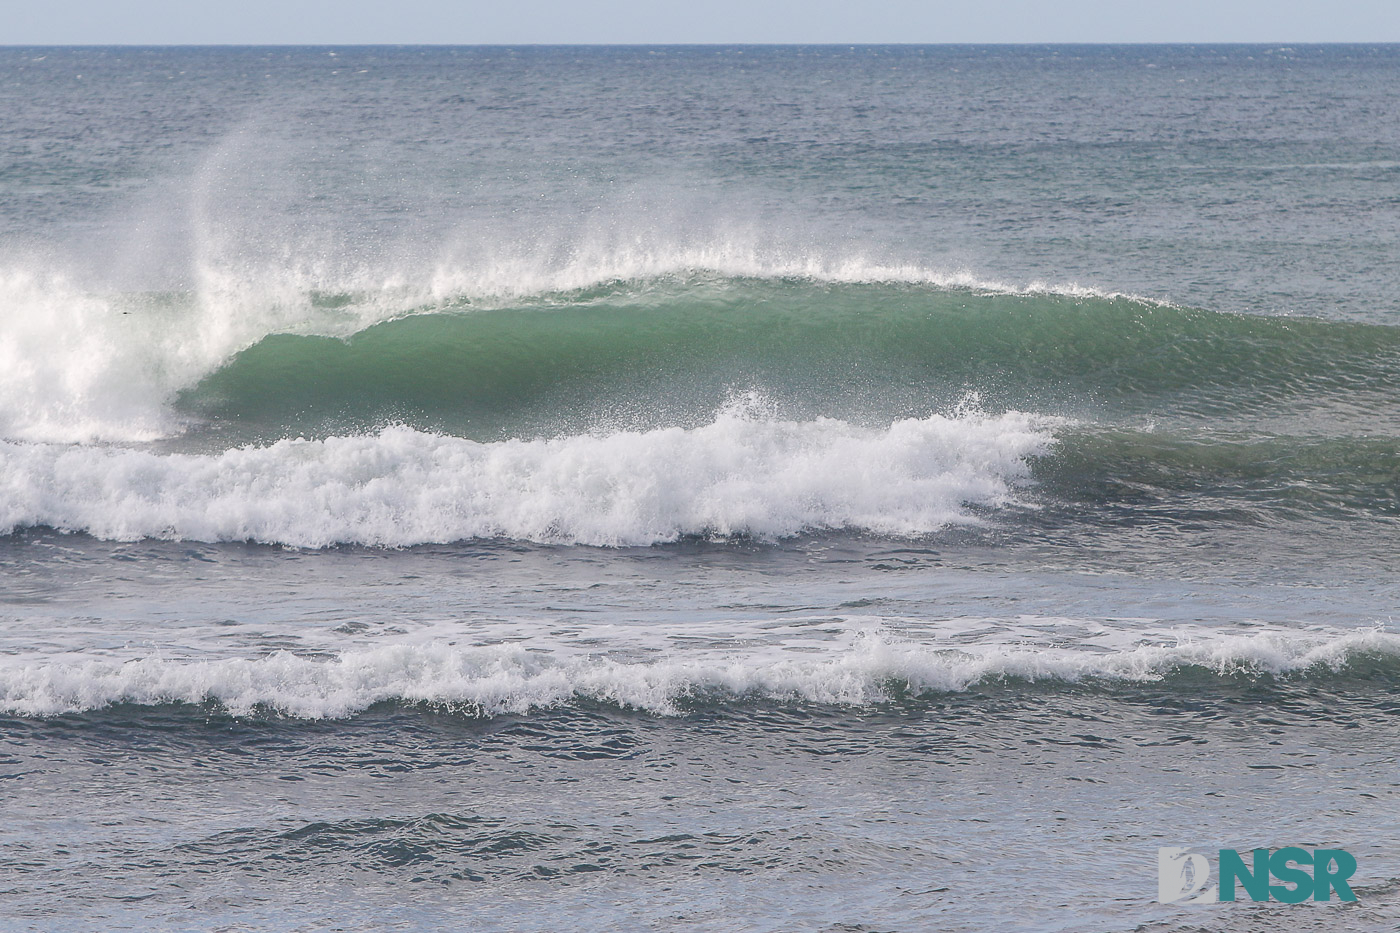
(689, 45)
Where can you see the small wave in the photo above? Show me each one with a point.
(745, 473)
(1346, 476)
(502, 679)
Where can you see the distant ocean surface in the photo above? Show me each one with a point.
(695, 488)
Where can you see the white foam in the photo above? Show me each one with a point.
(59, 375)
(744, 473)
(80, 366)
(499, 679)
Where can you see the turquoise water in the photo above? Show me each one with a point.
(694, 488)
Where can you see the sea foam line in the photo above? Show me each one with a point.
(502, 679)
(745, 473)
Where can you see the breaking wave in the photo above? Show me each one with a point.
(82, 365)
(745, 473)
(501, 679)
(555, 352)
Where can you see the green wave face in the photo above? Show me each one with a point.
(669, 352)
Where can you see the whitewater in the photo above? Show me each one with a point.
(863, 668)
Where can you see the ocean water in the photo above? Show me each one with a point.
(715, 489)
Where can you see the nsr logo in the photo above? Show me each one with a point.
(1183, 875)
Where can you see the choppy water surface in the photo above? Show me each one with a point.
(706, 488)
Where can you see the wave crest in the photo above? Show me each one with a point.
(503, 679)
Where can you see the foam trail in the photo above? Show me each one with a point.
(744, 473)
(504, 679)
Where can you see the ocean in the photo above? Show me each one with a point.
(695, 488)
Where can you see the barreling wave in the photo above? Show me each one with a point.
(501, 679)
(745, 473)
(871, 351)
(81, 365)
(485, 360)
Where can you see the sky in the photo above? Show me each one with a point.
(471, 22)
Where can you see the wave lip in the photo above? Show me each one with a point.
(503, 679)
(745, 473)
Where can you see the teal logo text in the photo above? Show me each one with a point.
(1290, 875)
